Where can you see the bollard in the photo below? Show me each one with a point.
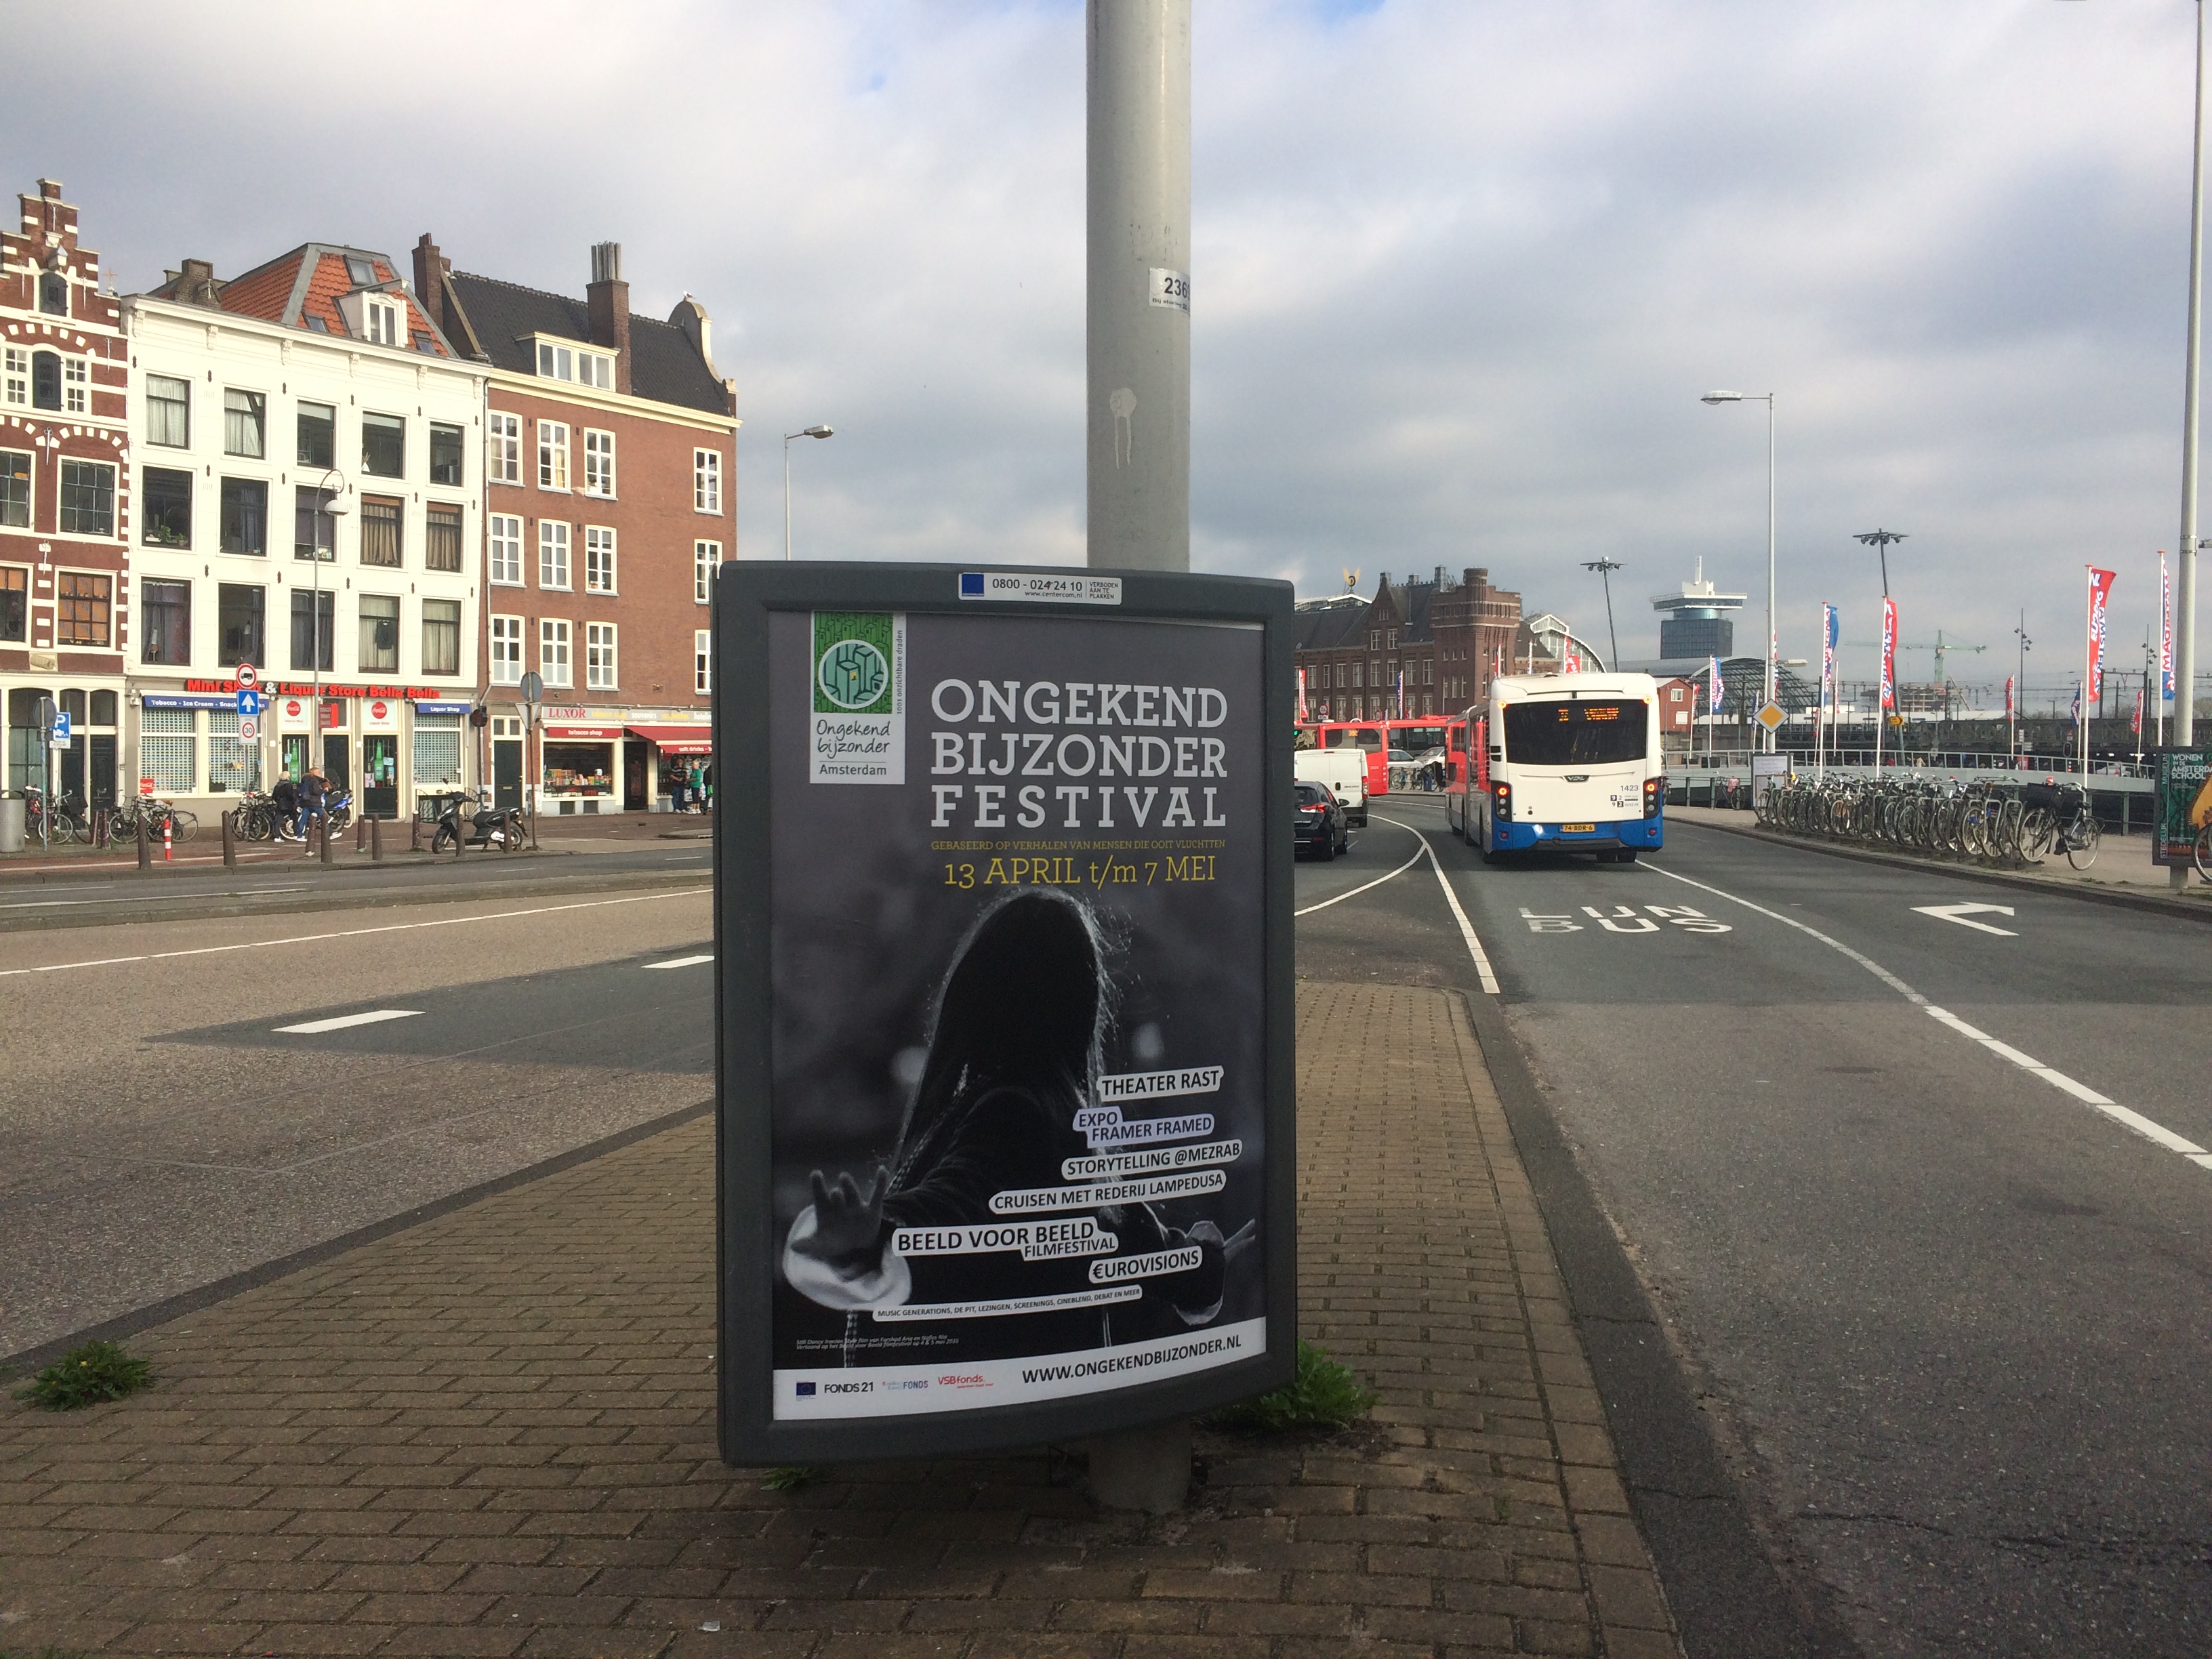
(145, 852)
(168, 841)
(415, 831)
(99, 828)
(376, 841)
(230, 843)
(326, 841)
(360, 832)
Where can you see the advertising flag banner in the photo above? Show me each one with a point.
(1713, 686)
(1829, 629)
(2100, 592)
(2077, 703)
(2165, 632)
(1889, 653)
(1004, 1072)
(2009, 708)
(1301, 696)
(2136, 725)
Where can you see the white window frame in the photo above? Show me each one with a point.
(18, 366)
(553, 549)
(702, 661)
(503, 549)
(599, 559)
(598, 462)
(507, 650)
(553, 455)
(599, 659)
(76, 384)
(706, 560)
(555, 638)
(595, 369)
(380, 321)
(561, 360)
(707, 481)
(503, 448)
(555, 363)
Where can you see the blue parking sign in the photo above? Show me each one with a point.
(60, 737)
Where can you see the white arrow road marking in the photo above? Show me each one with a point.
(2149, 1129)
(681, 962)
(375, 1017)
(1958, 912)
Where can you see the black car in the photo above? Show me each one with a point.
(1323, 827)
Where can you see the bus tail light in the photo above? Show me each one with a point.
(1501, 802)
(1654, 793)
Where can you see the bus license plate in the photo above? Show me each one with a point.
(1578, 828)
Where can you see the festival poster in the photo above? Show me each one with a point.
(1017, 1083)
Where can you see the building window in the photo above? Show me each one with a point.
(382, 317)
(165, 622)
(317, 442)
(53, 293)
(503, 538)
(379, 531)
(314, 618)
(706, 559)
(599, 559)
(14, 603)
(383, 446)
(600, 656)
(445, 454)
(1359, 675)
(242, 413)
(1428, 671)
(77, 382)
(46, 380)
(552, 455)
(168, 748)
(165, 512)
(81, 608)
(314, 531)
(238, 625)
(244, 516)
(15, 489)
(707, 480)
(560, 362)
(553, 652)
(441, 538)
(599, 463)
(437, 749)
(503, 448)
(441, 636)
(379, 631)
(702, 661)
(360, 273)
(507, 650)
(18, 377)
(88, 499)
(552, 554)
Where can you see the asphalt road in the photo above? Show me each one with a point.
(160, 1131)
(1945, 1313)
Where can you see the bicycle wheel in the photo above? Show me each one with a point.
(2204, 852)
(2037, 830)
(2082, 845)
(188, 824)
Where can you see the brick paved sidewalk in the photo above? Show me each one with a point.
(494, 1434)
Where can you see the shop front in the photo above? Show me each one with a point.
(673, 758)
(389, 747)
(579, 762)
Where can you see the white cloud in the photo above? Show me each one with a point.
(1462, 267)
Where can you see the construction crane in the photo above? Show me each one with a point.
(1939, 646)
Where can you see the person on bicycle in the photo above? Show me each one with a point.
(312, 792)
(285, 797)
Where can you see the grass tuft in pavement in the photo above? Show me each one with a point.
(84, 1376)
(1321, 1395)
(790, 1478)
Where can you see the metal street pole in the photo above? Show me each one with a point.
(1137, 320)
(1605, 568)
(2019, 692)
(2184, 644)
(1766, 397)
(805, 432)
(334, 509)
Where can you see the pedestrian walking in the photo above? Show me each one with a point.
(313, 792)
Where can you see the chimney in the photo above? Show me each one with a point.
(607, 306)
(50, 189)
(430, 269)
(197, 286)
(1477, 576)
(1440, 579)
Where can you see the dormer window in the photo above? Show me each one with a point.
(563, 362)
(363, 274)
(380, 322)
(53, 293)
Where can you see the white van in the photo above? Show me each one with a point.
(1345, 772)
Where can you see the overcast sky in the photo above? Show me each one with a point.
(1460, 268)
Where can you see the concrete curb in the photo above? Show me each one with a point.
(222, 1289)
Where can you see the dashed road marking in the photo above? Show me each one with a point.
(682, 962)
(339, 1022)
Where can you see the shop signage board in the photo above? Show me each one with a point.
(1006, 1122)
(2182, 774)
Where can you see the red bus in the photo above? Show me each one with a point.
(1414, 740)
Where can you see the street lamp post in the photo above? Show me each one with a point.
(1605, 568)
(808, 432)
(1766, 397)
(1881, 541)
(2019, 695)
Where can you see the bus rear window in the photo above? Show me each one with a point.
(1575, 734)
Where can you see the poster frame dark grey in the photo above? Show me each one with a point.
(745, 593)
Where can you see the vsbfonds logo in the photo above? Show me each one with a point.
(856, 697)
(853, 663)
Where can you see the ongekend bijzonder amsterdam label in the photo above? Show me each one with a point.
(857, 698)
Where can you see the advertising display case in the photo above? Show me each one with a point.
(1006, 1105)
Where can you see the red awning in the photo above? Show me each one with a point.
(677, 739)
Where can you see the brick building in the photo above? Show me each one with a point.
(311, 381)
(1441, 636)
(609, 461)
(64, 499)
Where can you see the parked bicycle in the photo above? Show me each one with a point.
(68, 818)
(2059, 818)
(154, 813)
(256, 817)
(1987, 820)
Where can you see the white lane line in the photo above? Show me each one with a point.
(1377, 882)
(357, 932)
(2147, 1128)
(141, 898)
(376, 1017)
(681, 962)
(1482, 971)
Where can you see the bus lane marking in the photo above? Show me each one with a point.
(1623, 920)
(2149, 1128)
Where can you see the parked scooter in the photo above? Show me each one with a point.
(488, 828)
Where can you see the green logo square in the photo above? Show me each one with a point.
(853, 663)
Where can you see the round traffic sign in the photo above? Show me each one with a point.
(247, 675)
(248, 728)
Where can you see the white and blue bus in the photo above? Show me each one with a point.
(1568, 762)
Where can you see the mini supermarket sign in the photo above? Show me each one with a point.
(1006, 1122)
